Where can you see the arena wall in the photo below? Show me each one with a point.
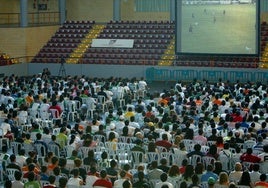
(151, 73)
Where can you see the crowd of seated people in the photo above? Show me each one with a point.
(191, 135)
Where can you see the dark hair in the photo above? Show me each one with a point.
(103, 173)
(21, 152)
(75, 172)
(163, 161)
(113, 163)
(164, 186)
(265, 148)
(54, 159)
(140, 175)
(126, 184)
(197, 147)
(62, 182)
(249, 151)
(256, 167)
(104, 155)
(195, 178)
(263, 177)
(12, 157)
(8, 184)
(62, 162)
(183, 184)
(31, 176)
(199, 168)
(163, 177)
(189, 171)
(18, 175)
(52, 179)
(245, 179)
(212, 149)
(56, 171)
(31, 167)
(4, 148)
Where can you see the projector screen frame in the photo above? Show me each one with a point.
(178, 33)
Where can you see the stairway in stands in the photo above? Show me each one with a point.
(168, 57)
(78, 53)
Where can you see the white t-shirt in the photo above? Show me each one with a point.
(142, 85)
(160, 184)
(91, 180)
(74, 181)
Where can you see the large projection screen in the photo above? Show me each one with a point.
(217, 27)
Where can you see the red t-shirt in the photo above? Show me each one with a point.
(250, 158)
(57, 107)
(164, 143)
(103, 182)
(261, 183)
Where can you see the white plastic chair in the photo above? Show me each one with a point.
(16, 146)
(23, 118)
(84, 151)
(189, 144)
(110, 149)
(204, 149)
(209, 143)
(55, 149)
(249, 144)
(3, 139)
(10, 172)
(123, 157)
(41, 150)
(91, 108)
(152, 156)
(137, 157)
(208, 160)
(102, 102)
(122, 145)
(28, 148)
(194, 159)
(124, 139)
(204, 184)
(56, 116)
(168, 156)
(72, 111)
(43, 183)
(247, 165)
(99, 138)
(68, 150)
(161, 149)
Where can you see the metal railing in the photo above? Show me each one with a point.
(34, 18)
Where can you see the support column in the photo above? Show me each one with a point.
(62, 10)
(116, 10)
(23, 13)
(172, 10)
(178, 26)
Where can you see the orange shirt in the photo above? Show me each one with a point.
(29, 99)
(198, 102)
(51, 167)
(25, 169)
(164, 101)
(217, 101)
(129, 176)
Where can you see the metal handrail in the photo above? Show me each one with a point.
(34, 18)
